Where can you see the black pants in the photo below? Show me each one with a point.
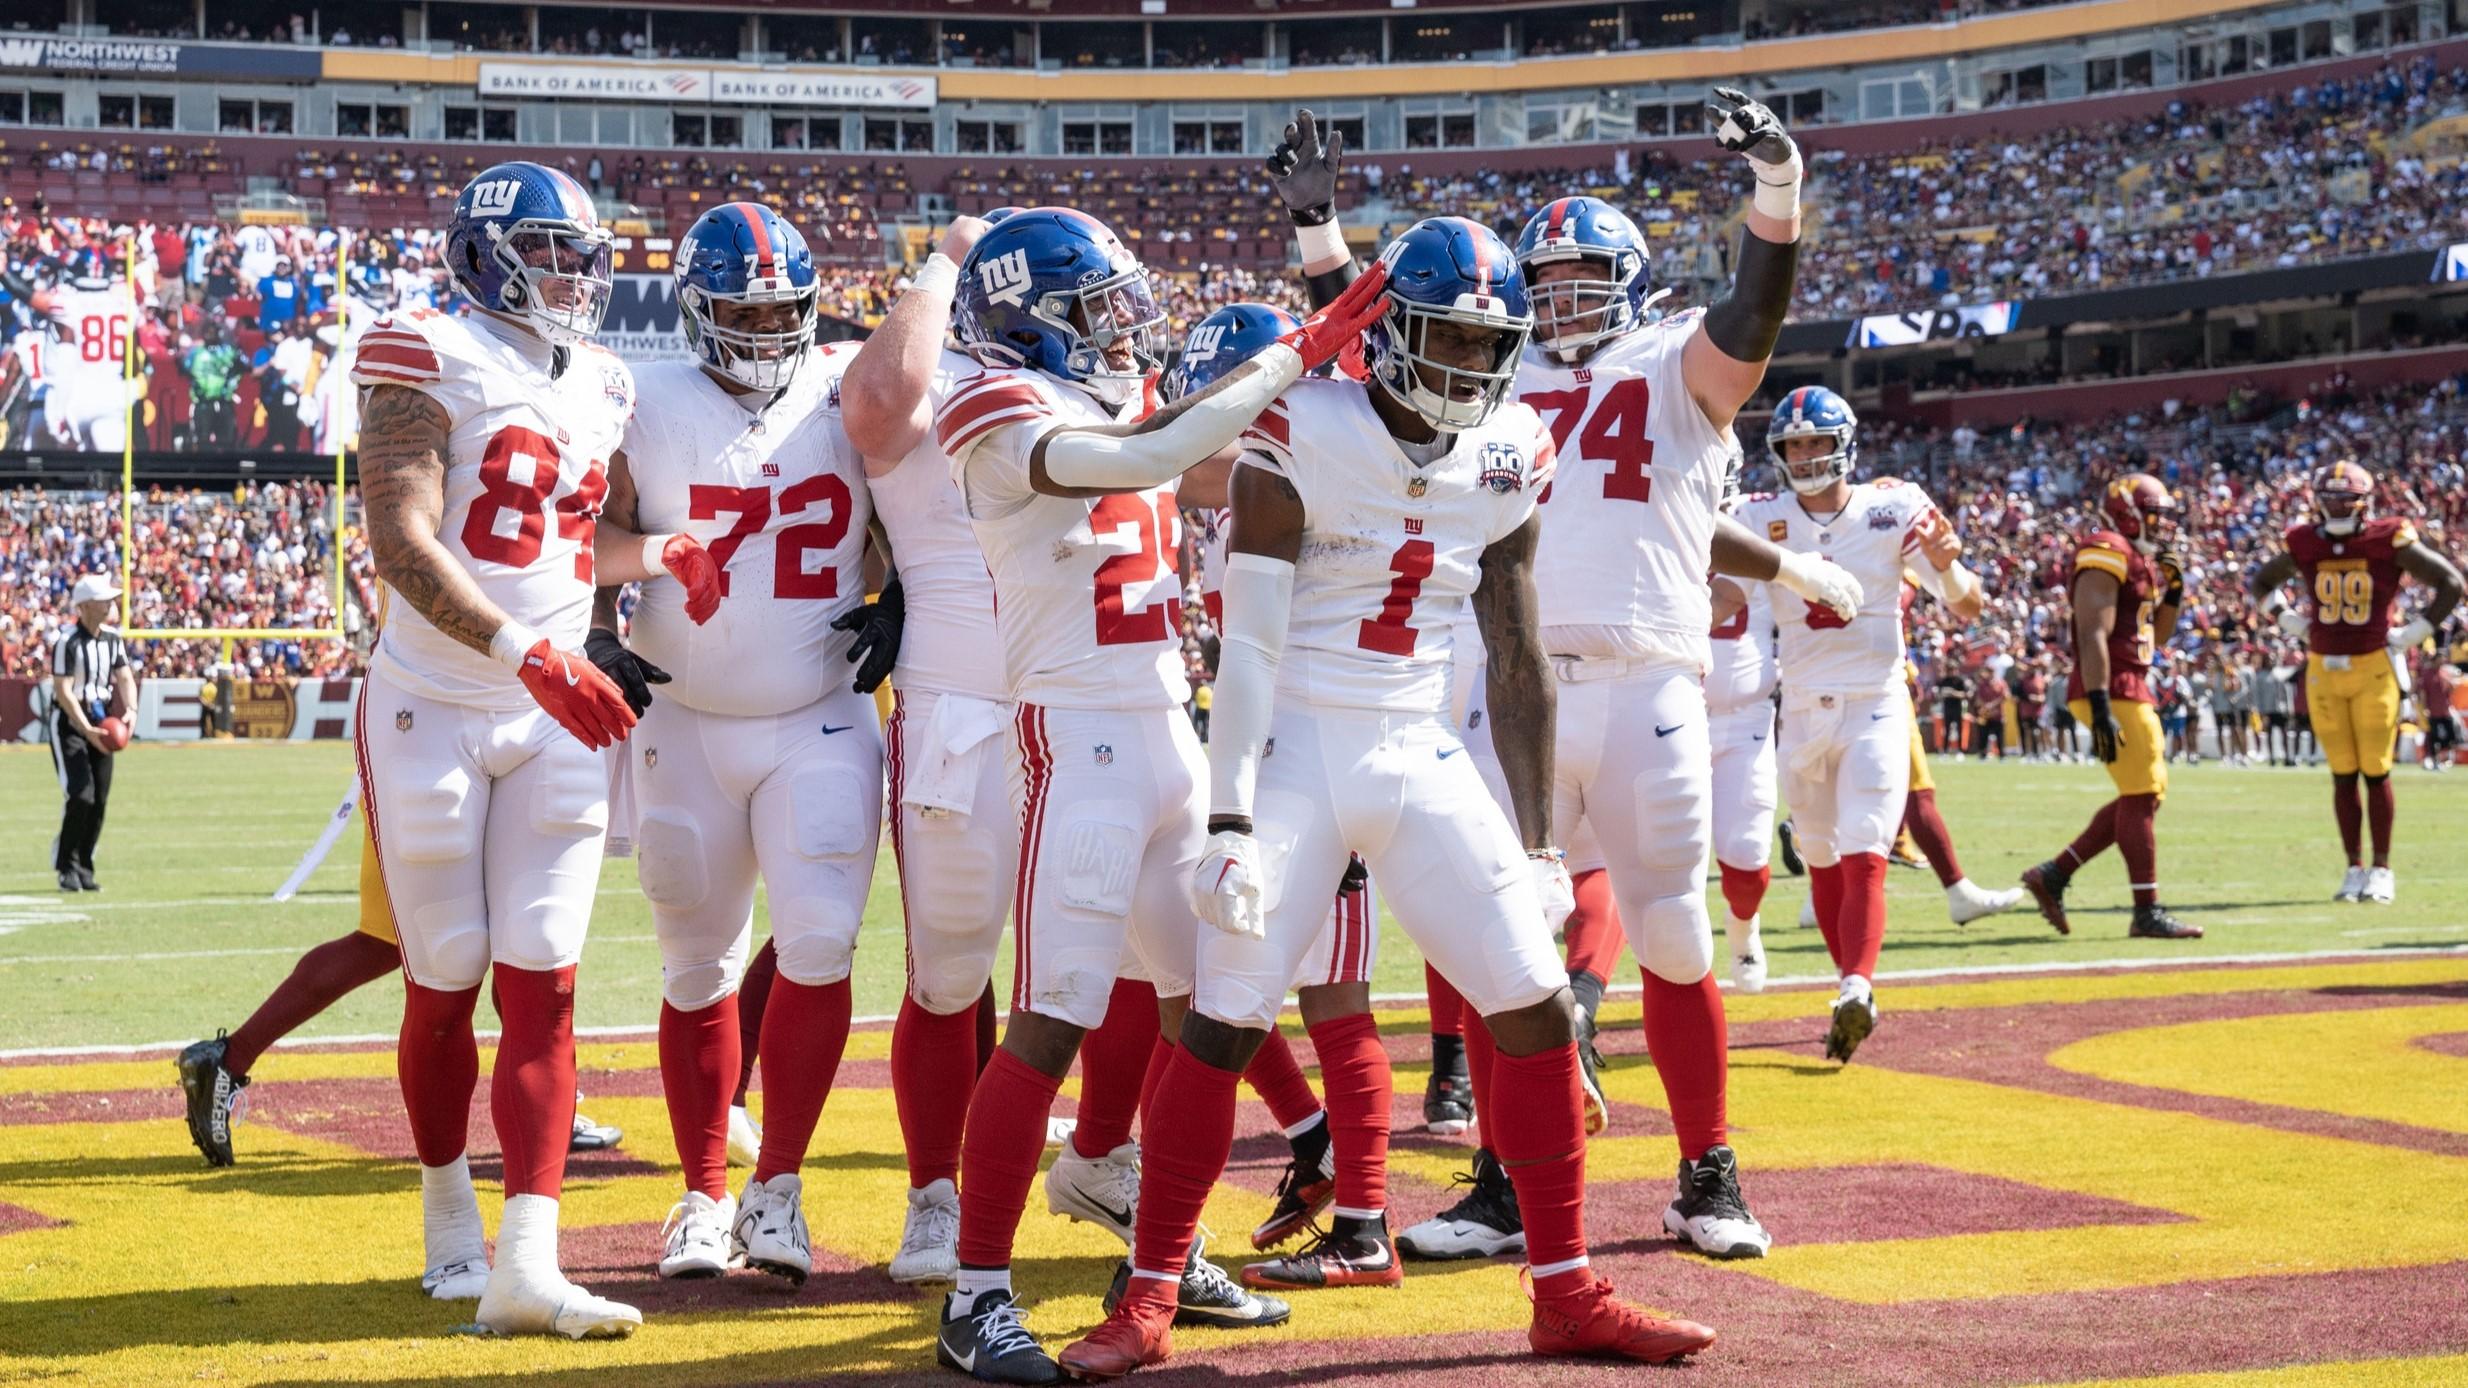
(85, 783)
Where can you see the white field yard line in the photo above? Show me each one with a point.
(1812, 980)
(242, 953)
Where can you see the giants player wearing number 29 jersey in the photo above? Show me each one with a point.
(483, 464)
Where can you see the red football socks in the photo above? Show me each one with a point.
(1192, 1135)
(1540, 1139)
(2138, 844)
(2348, 808)
(698, 1061)
(323, 977)
(1159, 1057)
(2094, 838)
(804, 1031)
(1592, 935)
(1690, 1043)
(531, 1092)
(2381, 803)
(1005, 1138)
(437, 1061)
(933, 1061)
(1447, 1006)
(987, 1037)
(1743, 889)
(1361, 1093)
(752, 996)
(1479, 1051)
(1274, 1075)
(1113, 1065)
(1825, 891)
(1861, 925)
(1936, 842)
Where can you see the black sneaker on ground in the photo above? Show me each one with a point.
(1207, 1296)
(86, 882)
(1306, 1188)
(1710, 1213)
(1448, 1098)
(593, 1137)
(213, 1097)
(1790, 849)
(69, 882)
(2153, 922)
(1483, 1223)
(1350, 1255)
(991, 1343)
(2046, 884)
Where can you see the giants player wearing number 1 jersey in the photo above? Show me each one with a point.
(483, 463)
(758, 756)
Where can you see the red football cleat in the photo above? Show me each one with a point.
(1594, 1324)
(1140, 1332)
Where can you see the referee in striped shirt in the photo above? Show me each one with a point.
(89, 671)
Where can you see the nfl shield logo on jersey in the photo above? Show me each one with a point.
(402, 720)
(1105, 754)
(651, 757)
(1503, 468)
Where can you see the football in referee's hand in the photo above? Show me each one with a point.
(115, 733)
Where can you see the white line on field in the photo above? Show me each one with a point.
(1810, 980)
(238, 953)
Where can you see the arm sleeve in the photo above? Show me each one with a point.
(1153, 457)
(1259, 600)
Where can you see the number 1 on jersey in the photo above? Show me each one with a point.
(1388, 632)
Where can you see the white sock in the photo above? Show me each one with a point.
(527, 1240)
(450, 1214)
(1741, 935)
(969, 1283)
(1856, 986)
(1315, 1120)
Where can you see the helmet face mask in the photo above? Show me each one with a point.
(1120, 331)
(2139, 506)
(1587, 269)
(2343, 492)
(1053, 290)
(747, 295)
(1428, 373)
(556, 276)
(758, 341)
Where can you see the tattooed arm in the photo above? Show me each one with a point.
(1523, 698)
(403, 499)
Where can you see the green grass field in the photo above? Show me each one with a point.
(184, 937)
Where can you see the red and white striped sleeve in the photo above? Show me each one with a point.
(1270, 437)
(1546, 463)
(394, 352)
(982, 404)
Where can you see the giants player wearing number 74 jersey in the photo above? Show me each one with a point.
(483, 462)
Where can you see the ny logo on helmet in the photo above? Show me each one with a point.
(495, 198)
(1005, 277)
(1205, 340)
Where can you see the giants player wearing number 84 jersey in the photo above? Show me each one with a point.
(483, 462)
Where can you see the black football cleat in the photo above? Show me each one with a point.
(1448, 1097)
(1359, 1256)
(86, 882)
(69, 882)
(991, 1343)
(1207, 1296)
(213, 1095)
(1709, 1212)
(1484, 1223)
(1855, 1016)
(593, 1137)
(2153, 922)
(1307, 1187)
(2046, 884)
(1788, 844)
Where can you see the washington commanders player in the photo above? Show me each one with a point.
(483, 463)
(2351, 562)
(1846, 731)
(2126, 589)
(1070, 492)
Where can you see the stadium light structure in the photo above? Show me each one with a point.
(128, 482)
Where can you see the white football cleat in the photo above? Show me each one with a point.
(545, 1303)
(1967, 901)
(1808, 912)
(697, 1232)
(1747, 952)
(770, 1231)
(2351, 886)
(2380, 885)
(930, 1240)
(1105, 1191)
(745, 1137)
(461, 1280)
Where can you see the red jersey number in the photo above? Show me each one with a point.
(518, 469)
(1613, 433)
(753, 507)
(1151, 522)
(1388, 632)
(101, 339)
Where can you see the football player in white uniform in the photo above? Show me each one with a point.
(483, 463)
(1640, 410)
(759, 756)
(1070, 494)
(1367, 515)
(1846, 723)
(85, 369)
(1739, 701)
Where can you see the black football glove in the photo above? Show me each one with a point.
(1303, 170)
(877, 625)
(1357, 875)
(633, 675)
(2104, 730)
(1747, 127)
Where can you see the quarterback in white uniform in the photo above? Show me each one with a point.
(758, 756)
(483, 465)
(1846, 730)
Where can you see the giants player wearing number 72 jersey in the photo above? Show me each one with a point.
(483, 462)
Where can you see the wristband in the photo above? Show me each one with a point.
(937, 276)
(512, 642)
(1321, 242)
(1779, 197)
(1548, 855)
(652, 558)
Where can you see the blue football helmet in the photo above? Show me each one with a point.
(1448, 270)
(745, 254)
(1814, 412)
(997, 214)
(1222, 341)
(1054, 289)
(525, 242)
(1573, 314)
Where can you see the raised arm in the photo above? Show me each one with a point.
(1303, 170)
(1724, 360)
(883, 396)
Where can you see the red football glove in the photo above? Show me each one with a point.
(1326, 333)
(689, 563)
(582, 700)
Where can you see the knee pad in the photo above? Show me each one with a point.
(1675, 822)
(949, 985)
(830, 812)
(693, 987)
(1674, 939)
(668, 860)
(450, 950)
(429, 818)
(817, 939)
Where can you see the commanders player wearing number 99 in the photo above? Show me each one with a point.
(483, 463)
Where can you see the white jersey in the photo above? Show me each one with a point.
(1628, 525)
(86, 364)
(526, 471)
(1216, 525)
(1874, 537)
(1741, 672)
(1087, 590)
(949, 642)
(779, 498)
(1391, 551)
